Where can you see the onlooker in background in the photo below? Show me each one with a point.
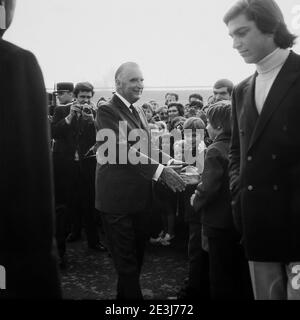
(163, 114)
(197, 284)
(171, 97)
(64, 94)
(155, 105)
(195, 97)
(212, 201)
(74, 131)
(27, 250)
(175, 109)
(222, 90)
(148, 112)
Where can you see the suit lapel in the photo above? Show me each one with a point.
(124, 109)
(286, 77)
(250, 115)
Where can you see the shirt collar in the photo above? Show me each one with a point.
(272, 61)
(127, 104)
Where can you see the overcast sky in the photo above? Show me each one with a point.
(176, 42)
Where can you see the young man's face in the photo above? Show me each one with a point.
(221, 94)
(84, 97)
(251, 43)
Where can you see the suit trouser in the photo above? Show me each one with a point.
(198, 263)
(275, 280)
(228, 269)
(126, 237)
(81, 202)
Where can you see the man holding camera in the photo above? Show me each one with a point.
(73, 129)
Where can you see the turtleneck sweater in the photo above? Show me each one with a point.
(268, 69)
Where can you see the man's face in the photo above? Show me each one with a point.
(163, 114)
(170, 98)
(221, 94)
(251, 43)
(64, 97)
(84, 97)
(130, 83)
(173, 113)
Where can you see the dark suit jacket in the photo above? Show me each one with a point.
(80, 134)
(214, 200)
(26, 186)
(265, 155)
(122, 188)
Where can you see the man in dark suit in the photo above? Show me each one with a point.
(123, 185)
(27, 220)
(74, 132)
(265, 148)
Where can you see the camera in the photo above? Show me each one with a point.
(87, 109)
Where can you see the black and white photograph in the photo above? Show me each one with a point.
(150, 152)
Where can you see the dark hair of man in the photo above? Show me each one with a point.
(178, 106)
(172, 94)
(268, 18)
(196, 104)
(224, 83)
(196, 96)
(219, 115)
(83, 86)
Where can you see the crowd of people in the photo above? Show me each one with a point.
(229, 166)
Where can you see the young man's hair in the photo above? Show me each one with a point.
(268, 18)
(83, 86)
(224, 83)
(178, 106)
(219, 116)
(196, 96)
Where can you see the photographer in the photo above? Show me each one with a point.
(73, 129)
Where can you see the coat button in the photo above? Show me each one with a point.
(250, 188)
(275, 187)
(249, 158)
(274, 156)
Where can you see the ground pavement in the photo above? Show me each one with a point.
(91, 275)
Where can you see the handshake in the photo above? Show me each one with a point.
(172, 179)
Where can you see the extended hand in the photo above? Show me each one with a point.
(172, 180)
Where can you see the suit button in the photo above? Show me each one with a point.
(250, 188)
(275, 187)
(249, 158)
(274, 156)
(242, 133)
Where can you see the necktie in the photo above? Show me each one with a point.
(135, 113)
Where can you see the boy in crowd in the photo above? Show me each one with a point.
(227, 266)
